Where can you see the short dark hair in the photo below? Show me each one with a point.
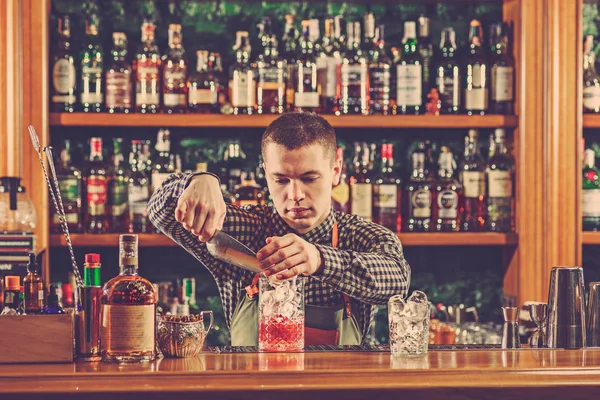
(298, 129)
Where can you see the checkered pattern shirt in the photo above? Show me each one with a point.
(368, 265)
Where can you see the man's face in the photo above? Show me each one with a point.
(300, 183)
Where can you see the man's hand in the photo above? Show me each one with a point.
(201, 208)
(288, 256)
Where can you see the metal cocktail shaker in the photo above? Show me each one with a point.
(566, 308)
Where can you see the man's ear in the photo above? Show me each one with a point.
(337, 169)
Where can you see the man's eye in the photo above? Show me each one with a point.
(310, 179)
(281, 181)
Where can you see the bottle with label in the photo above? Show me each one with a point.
(118, 190)
(147, 67)
(270, 73)
(328, 60)
(63, 94)
(447, 74)
(353, 76)
(70, 185)
(500, 197)
(591, 81)
(502, 71)
(476, 73)
(447, 195)
(472, 177)
(340, 193)
(174, 73)
(203, 87)
(163, 165)
(361, 187)
(242, 84)
(92, 69)
(290, 52)
(418, 190)
(409, 74)
(248, 192)
(380, 75)
(591, 193)
(425, 49)
(386, 196)
(128, 311)
(306, 97)
(33, 288)
(138, 193)
(96, 189)
(118, 78)
(12, 285)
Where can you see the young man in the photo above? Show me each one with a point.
(351, 264)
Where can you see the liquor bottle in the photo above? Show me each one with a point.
(138, 192)
(315, 34)
(500, 186)
(591, 193)
(447, 74)
(163, 165)
(472, 177)
(33, 286)
(118, 190)
(290, 54)
(64, 95)
(118, 78)
(174, 73)
(340, 193)
(368, 44)
(447, 195)
(591, 81)
(96, 189)
(189, 295)
(128, 311)
(361, 187)
(418, 193)
(69, 183)
(92, 69)
(425, 49)
(502, 71)
(380, 73)
(248, 192)
(328, 60)
(91, 270)
(11, 292)
(232, 163)
(476, 73)
(270, 73)
(353, 76)
(409, 74)
(386, 200)
(242, 84)
(306, 97)
(147, 67)
(203, 87)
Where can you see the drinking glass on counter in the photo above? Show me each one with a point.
(409, 324)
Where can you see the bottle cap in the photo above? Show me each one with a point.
(92, 258)
(12, 282)
(21, 289)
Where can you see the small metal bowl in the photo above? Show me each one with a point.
(183, 339)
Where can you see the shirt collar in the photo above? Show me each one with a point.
(319, 234)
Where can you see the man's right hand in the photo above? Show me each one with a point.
(201, 208)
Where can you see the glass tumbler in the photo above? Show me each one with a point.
(409, 324)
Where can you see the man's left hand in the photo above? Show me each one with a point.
(288, 256)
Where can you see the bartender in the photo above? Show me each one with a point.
(351, 264)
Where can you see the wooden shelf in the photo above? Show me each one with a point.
(591, 120)
(591, 238)
(408, 239)
(261, 121)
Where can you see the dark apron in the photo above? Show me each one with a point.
(323, 325)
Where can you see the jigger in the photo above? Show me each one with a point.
(566, 308)
(510, 331)
(593, 311)
(539, 315)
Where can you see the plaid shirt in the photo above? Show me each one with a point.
(368, 264)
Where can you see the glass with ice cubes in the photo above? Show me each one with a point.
(409, 324)
(281, 315)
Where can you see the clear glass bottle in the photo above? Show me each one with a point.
(386, 196)
(591, 192)
(242, 84)
(138, 193)
(306, 96)
(591, 81)
(270, 74)
(147, 67)
(353, 76)
(174, 73)
(447, 74)
(502, 71)
(64, 77)
(128, 311)
(119, 83)
(476, 73)
(472, 177)
(419, 193)
(70, 185)
(92, 69)
(290, 52)
(328, 60)
(380, 75)
(361, 185)
(500, 196)
(447, 195)
(97, 189)
(118, 190)
(409, 74)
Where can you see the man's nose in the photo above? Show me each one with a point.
(295, 192)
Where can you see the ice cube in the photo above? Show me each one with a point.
(287, 310)
(418, 297)
(267, 297)
(282, 293)
(269, 310)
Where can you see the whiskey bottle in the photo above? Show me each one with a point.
(476, 73)
(591, 193)
(591, 81)
(425, 49)
(328, 60)
(128, 311)
(447, 74)
(386, 200)
(248, 192)
(380, 72)
(163, 165)
(500, 186)
(203, 87)
(472, 177)
(63, 98)
(70, 185)
(361, 187)
(118, 190)
(147, 67)
(174, 73)
(340, 194)
(290, 54)
(306, 97)
(118, 78)
(353, 76)
(447, 195)
(419, 193)
(33, 288)
(409, 74)
(138, 193)
(270, 70)
(242, 84)
(92, 69)
(502, 71)
(96, 188)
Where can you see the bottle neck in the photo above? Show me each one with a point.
(91, 275)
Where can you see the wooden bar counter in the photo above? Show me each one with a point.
(488, 374)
